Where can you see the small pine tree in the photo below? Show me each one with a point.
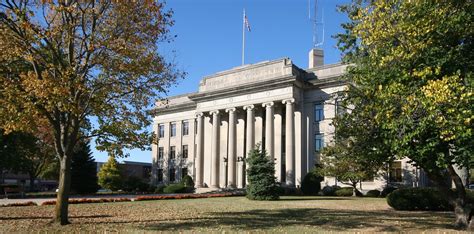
(261, 176)
(83, 170)
(109, 175)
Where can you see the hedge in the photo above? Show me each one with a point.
(387, 190)
(345, 192)
(422, 199)
(373, 193)
(175, 188)
(330, 190)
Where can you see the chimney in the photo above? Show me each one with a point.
(316, 58)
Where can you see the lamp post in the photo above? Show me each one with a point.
(225, 172)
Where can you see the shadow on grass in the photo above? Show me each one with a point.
(328, 219)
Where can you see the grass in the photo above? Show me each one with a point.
(290, 214)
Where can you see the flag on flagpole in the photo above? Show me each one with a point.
(246, 21)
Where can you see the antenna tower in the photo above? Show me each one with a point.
(317, 24)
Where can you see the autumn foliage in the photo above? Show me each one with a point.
(88, 69)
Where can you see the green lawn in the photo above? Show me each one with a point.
(290, 214)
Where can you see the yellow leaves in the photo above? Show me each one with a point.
(440, 91)
(425, 72)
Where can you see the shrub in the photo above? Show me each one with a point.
(134, 183)
(160, 188)
(175, 188)
(418, 199)
(311, 184)
(344, 192)
(330, 190)
(387, 190)
(373, 193)
(261, 176)
(188, 181)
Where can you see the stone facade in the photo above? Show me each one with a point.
(285, 109)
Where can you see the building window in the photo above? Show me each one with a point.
(161, 152)
(185, 128)
(185, 151)
(340, 110)
(172, 175)
(173, 129)
(184, 172)
(161, 130)
(146, 172)
(318, 112)
(172, 151)
(160, 175)
(395, 172)
(318, 142)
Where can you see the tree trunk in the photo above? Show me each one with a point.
(32, 182)
(61, 215)
(355, 191)
(462, 210)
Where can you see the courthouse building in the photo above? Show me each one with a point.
(286, 109)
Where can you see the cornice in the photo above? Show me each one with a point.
(282, 81)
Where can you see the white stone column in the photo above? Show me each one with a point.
(231, 156)
(249, 139)
(278, 124)
(269, 131)
(215, 149)
(199, 150)
(289, 143)
(250, 131)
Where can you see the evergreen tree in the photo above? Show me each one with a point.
(109, 175)
(261, 176)
(84, 170)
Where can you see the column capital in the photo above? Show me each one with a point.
(249, 107)
(268, 104)
(214, 112)
(288, 101)
(199, 114)
(230, 109)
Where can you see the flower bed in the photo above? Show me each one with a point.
(142, 198)
(87, 200)
(30, 203)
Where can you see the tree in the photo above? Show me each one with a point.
(7, 149)
(109, 175)
(410, 83)
(83, 170)
(342, 161)
(34, 155)
(27, 153)
(90, 68)
(261, 176)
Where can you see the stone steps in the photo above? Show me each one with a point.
(206, 190)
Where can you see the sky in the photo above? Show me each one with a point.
(209, 39)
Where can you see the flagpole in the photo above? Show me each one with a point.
(243, 39)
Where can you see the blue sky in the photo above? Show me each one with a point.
(209, 39)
